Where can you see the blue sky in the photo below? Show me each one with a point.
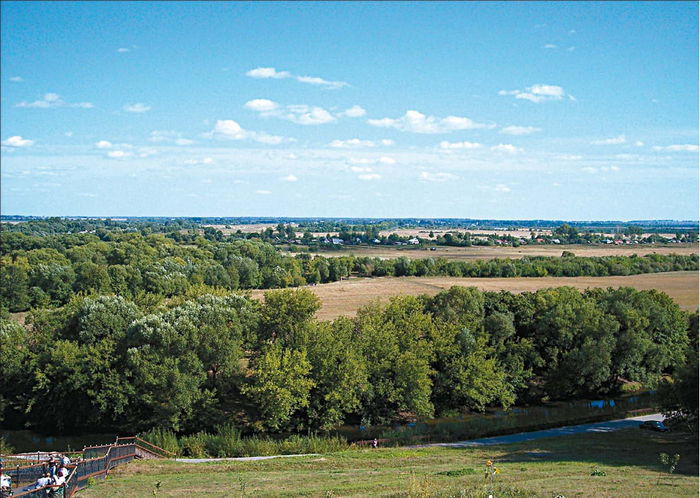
(579, 111)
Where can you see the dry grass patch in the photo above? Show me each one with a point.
(345, 297)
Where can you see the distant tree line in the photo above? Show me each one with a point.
(103, 362)
(41, 271)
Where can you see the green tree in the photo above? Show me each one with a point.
(279, 386)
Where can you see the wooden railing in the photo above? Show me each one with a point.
(96, 463)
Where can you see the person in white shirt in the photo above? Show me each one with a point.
(59, 480)
(45, 480)
(65, 460)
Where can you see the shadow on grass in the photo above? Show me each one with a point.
(630, 447)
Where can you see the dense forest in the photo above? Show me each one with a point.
(189, 364)
(147, 326)
(40, 271)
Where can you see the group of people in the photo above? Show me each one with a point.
(56, 472)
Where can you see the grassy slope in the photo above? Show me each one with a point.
(549, 467)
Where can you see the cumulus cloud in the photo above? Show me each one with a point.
(271, 72)
(17, 141)
(417, 122)
(459, 145)
(678, 148)
(359, 143)
(122, 50)
(569, 157)
(369, 176)
(539, 93)
(230, 129)
(169, 136)
(289, 178)
(519, 130)
(104, 144)
(51, 100)
(17, 79)
(509, 148)
(354, 112)
(267, 72)
(620, 139)
(300, 114)
(194, 162)
(261, 105)
(306, 115)
(137, 108)
(118, 154)
(502, 188)
(639, 143)
(375, 160)
(436, 177)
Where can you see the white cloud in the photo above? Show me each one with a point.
(369, 176)
(366, 160)
(300, 114)
(314, 80)
(17, 79)
(509, 148)
(459, 145)
(194, 162)
(261, 105)
(289, 178)
(357, 143)
(228, 128)
(138, 108)
(169, 136)
(354, 112)
(104, 144)
(263, 192)
(678, 148)
(54, 100)
(436, 177)
(519, 130)
(118, 154)
(267, 72)
(361, 169)
(639, 143)
(550, 45)
(539, 93)
(502, 188)
(569, 157)
(417, 122)
(620, 139)
(122, 50)
(589, 169)
(271, 72)
(17, 141)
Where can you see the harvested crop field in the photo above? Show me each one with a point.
(344, 298)
(490, 252)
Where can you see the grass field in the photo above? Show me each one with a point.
(345, 297)
(544, 468)
(490, 252)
